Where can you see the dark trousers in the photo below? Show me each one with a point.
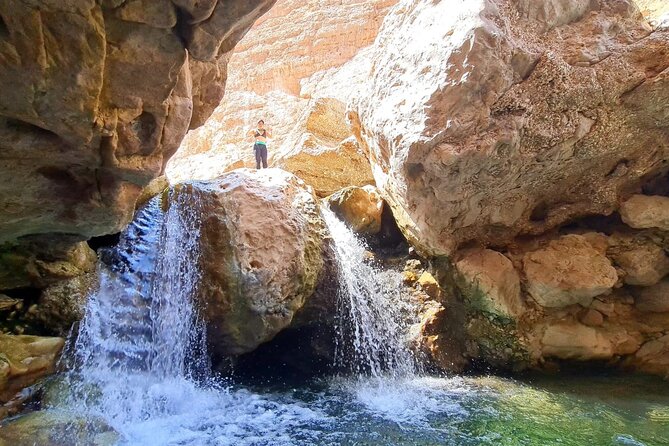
(261, 155)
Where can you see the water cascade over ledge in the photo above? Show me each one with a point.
(140, 366)
(371, 313)
(141, 327)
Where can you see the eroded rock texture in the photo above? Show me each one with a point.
(296, 69)
(579, 296)
(261, 255)
(25, 359)
(96, 96)
(511, 117)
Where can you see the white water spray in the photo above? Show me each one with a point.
(140, 327)
(371, 311)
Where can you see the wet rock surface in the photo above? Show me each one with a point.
(360, 207)
(24, 360)
(98, 96)
(262, 255)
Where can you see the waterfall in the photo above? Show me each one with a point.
(372, 315)
(140, 363)
(140, 326)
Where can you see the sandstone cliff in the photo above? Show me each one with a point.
(296, 69)
(512, 117)
(526, 152)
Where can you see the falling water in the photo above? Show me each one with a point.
(372, 315)
(140, 368)
(141, 327)
(140, 363)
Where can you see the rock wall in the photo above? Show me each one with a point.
(298, 65)
(523, 146)
(97, 95)
(511, 117)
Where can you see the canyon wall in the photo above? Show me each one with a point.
(512, 118)
(524, 147)
(296, 69)
(97, 95)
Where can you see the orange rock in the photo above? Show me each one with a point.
(296, 69)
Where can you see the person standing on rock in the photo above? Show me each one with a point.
(260, 147)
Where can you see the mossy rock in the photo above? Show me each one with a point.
(56, 428)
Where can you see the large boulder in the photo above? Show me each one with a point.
(57, 428)
(568, 271)
(511, 117)
(25, 359)
(360, 207)
(261, 256)
(490, 283)
(97, 95)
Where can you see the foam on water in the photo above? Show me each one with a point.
(408, 401)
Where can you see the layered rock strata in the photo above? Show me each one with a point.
(296, 69)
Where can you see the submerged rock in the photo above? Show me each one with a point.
(54, 428)
(25, 359)
(261, 255)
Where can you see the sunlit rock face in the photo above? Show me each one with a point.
(97, 95)
(486, 120)
(300, 61)
(262, 248)
(657, 11)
